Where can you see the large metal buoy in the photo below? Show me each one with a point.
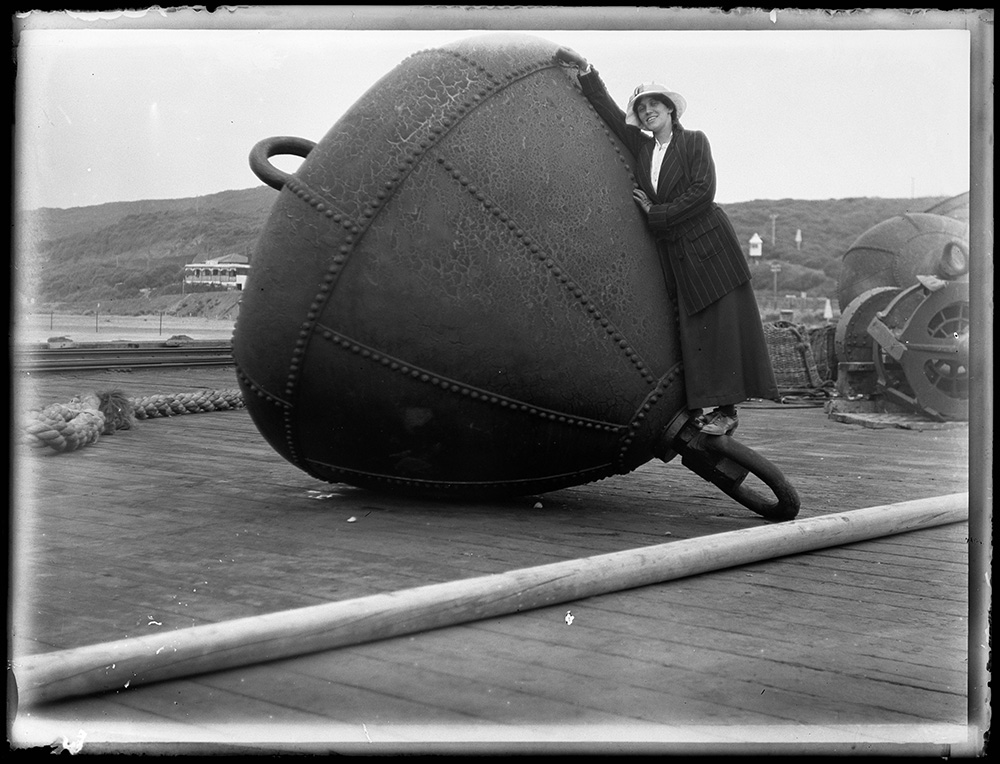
(955, 207)
(454, 293)
(896, 251)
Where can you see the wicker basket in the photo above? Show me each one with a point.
(824, 351)
(791, 357)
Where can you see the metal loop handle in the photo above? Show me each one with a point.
(725, 463)
(261, 154)
(786, 506)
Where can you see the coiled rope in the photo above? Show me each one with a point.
(80, 422)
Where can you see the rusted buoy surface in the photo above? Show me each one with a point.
(455, 293)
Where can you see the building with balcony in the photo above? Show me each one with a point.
(228, 271)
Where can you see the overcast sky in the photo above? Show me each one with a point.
(153, 111)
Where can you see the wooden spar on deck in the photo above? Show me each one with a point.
(185, 652)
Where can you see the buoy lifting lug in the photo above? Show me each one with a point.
(725, 462)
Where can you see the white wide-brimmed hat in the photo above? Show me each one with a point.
(651, 88)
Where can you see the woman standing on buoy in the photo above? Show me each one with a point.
(723, 348)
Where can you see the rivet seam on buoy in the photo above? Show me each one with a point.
(462, 389)
(538, 252)
(638, 419)
(258, 391)
(286, 411)
(433, 132)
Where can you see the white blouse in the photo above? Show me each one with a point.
(658, 153)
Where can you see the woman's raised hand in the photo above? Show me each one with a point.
(571, 58)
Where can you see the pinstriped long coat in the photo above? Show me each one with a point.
(724, 351)
(706, 254)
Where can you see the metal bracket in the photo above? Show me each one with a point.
(725, 462)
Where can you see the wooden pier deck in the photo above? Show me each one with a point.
(195, 519)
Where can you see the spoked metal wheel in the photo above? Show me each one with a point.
(922, 348)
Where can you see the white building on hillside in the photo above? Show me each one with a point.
(229, 271)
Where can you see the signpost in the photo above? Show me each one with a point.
(775, 269)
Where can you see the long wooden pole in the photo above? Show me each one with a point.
(185, 652)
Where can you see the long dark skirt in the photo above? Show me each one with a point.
(724, 352)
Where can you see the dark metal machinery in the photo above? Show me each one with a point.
(904, 333)
(921, 348)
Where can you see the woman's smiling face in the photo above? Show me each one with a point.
(653, 114)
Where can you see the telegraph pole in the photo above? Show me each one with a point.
(775, 269)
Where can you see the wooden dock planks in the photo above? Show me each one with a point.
(195, 519)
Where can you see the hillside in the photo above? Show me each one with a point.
(111, 251)
(828, 227)
(70, 259)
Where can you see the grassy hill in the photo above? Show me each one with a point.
(70, 259)
(829, 228)
(111, 251)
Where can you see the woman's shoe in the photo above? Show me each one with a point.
(717, 423)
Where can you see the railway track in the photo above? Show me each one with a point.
(132, 355)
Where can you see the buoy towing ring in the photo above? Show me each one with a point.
(726, 463)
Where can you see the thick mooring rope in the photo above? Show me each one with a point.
(71, 426)
(151, 406)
